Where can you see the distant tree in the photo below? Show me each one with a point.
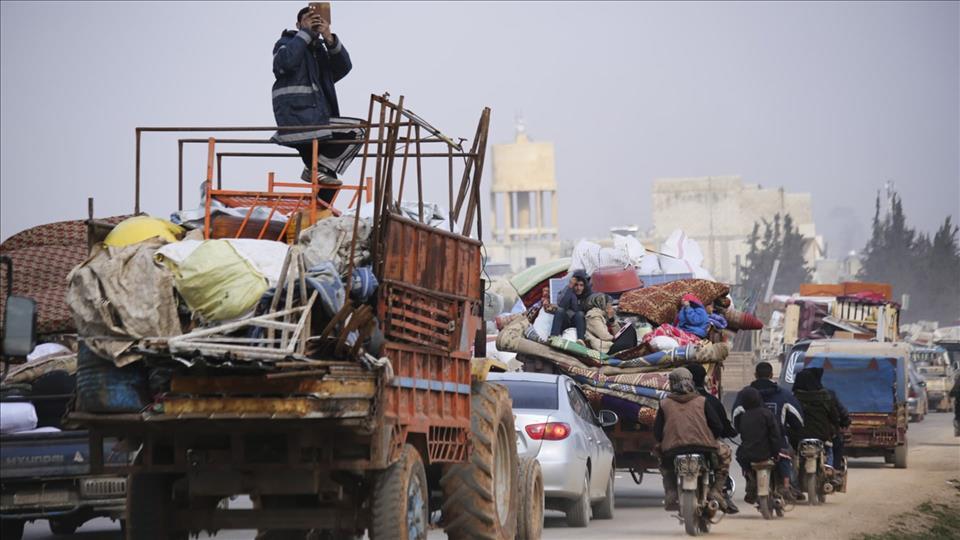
(777, 242)
(928, 269)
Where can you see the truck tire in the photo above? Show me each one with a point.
(479, 496)
(900, 457)
(63, 527)
(12, 529)
(604, 508)
(149, 505)
(530, 513)
(401, 499)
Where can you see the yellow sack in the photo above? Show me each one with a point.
(139, 228)
(217, 283)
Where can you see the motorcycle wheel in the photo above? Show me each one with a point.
(688, 511)
(810, 486)
(763, 502)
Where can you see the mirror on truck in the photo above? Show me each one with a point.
(607, 418)
(19, 326)
(19, 319)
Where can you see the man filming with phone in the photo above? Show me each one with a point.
(306, 63)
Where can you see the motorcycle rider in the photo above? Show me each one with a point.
(699, 381)
(760, 438)
(821, 418)
(686, 424)
(788, 414)
(845, 421)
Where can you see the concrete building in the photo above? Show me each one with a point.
(719, 212)
(523, 203)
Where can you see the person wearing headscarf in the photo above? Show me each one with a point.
(685, 424)
(692, 316)
(601, 321)
(821, 417)
(760, 438)
(572, 306)
(699, 374)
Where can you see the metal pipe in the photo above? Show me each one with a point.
(361, 155)
(179, 175)
(136, 189)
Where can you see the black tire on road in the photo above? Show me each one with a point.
(149, 508)
(888, 458)
(688, 511)
(810, 486)
(530, 514)
(401, 500)
(604, 508)
(12, 529)
(578, 510)
(763, 501)
(900, 457)
(479, 496)
(63, 527)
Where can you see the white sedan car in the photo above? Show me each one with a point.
(556, 425)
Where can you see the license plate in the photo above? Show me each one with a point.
(57, 496)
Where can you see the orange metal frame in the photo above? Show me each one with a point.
(286, 203)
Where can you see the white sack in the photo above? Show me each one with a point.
(47, 349)
(684, 256)
(588, 256)
(663, 343)
(266, 256)
(543, 324)
(17, 417)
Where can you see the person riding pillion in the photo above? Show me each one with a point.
(686, 424)
(306, 64)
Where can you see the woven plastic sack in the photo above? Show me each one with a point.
(217, 283)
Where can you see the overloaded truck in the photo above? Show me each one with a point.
(341, 404)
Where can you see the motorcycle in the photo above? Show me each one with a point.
(769, 500)
(817, 480)
(694, 477)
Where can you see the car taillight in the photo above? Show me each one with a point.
(551, 431)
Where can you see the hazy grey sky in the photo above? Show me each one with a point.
(831, 98)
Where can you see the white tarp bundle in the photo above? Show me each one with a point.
(683, 256)
(645, 262)
(266, 256)
(589, 257)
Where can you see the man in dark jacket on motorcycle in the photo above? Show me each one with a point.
(686, 424)
(786, 410)
(306, 64)
(760, 437)
(844, 422)
(821, 416)
(700, 381)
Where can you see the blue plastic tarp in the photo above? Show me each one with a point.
(862, 383)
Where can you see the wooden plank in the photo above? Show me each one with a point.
(326, 408)
(227, 385)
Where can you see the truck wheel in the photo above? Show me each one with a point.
(11, 529)
(888, 458)
(604, 508)
(149, 505)
(479, 496)
(530, 513)
(578, 512)
(63, 527)
(900, 456)
(401, 499)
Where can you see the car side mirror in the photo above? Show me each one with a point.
(19, 326)
(923, 384)
(607, 418)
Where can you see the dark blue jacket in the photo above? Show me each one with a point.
(781, 402)
(304, 93)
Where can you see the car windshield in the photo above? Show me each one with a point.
(532, 394)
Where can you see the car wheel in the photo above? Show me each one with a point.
(604, 508)
(578, 513)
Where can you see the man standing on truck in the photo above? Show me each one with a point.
(306, 63)
(787, 411)
(685, 423)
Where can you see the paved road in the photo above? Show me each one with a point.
(876, 492)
